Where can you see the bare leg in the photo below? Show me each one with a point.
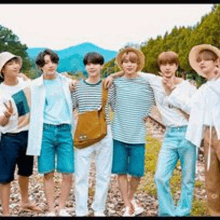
(65, 189)
(124, 187)
(49, 190)
(134, 182)
(5, 197)
(23, 183)
(25, 203)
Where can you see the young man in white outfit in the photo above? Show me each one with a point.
(50, 129)
(172, 96)
(87, 96)
(204, 121)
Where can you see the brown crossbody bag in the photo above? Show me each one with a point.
(91, 125)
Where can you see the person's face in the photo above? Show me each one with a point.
(168, 70)
(129, 66)
(49, 67)
(206, 66)
(93, 69)
(11, 68)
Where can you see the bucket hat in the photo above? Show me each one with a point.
(5, 57)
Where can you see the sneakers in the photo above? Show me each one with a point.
(99, 214)
(126, 213)
(50, 214)
(138, 209)
(63, 213)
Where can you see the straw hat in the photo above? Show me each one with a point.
(131, 49)
(5, 57)
(194, 54)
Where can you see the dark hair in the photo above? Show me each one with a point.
(40, 58)
(168, 57)
(93, 57)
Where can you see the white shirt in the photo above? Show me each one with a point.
(205, 111)
(168, 105)
(17, 122)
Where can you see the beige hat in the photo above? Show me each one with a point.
(5, 57)
(131, 49)
(194, 54)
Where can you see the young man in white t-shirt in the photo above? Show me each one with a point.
(14, 115)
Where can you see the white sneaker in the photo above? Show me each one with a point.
(126, 213)
(51, 214)
(99, 214)
(138, 209)
(63, 213)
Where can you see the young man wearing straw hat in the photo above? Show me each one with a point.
(134, 99)
(14, 117)
(204, 121)
(172, 96)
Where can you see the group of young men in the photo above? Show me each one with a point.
(36, 119)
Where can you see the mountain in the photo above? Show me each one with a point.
(71, 59)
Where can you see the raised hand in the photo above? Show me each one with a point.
(9, 109)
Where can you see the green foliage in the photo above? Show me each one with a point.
(10, 42)
(181, 40)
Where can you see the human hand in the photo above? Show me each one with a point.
(23, 76)
(72, 85)
(108, 81)
(9, 109)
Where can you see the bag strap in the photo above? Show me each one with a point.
(104, 96)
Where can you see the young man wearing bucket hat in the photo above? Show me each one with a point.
(204, 121)
(50, 128)
(133, 102)
(172, 96)
(14, 117)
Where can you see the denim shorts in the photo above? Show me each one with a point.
(56, 150)
(128, 158)
(13, 152)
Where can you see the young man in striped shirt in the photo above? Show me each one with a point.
(87, 96)
(134, 99)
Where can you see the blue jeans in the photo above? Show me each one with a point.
(57, 143)
(175, 147)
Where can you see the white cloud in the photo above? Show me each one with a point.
(110, 26)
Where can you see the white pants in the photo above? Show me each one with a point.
(103, 161)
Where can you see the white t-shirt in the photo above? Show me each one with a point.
(20, 119)
(167, 105)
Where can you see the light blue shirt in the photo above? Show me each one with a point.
(55, 108)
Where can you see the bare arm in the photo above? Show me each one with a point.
(110, 78)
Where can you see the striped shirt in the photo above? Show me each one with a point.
(87, 97)
(134, 99)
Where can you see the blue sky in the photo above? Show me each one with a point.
(110, 26)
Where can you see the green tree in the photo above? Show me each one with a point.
(10, 42)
